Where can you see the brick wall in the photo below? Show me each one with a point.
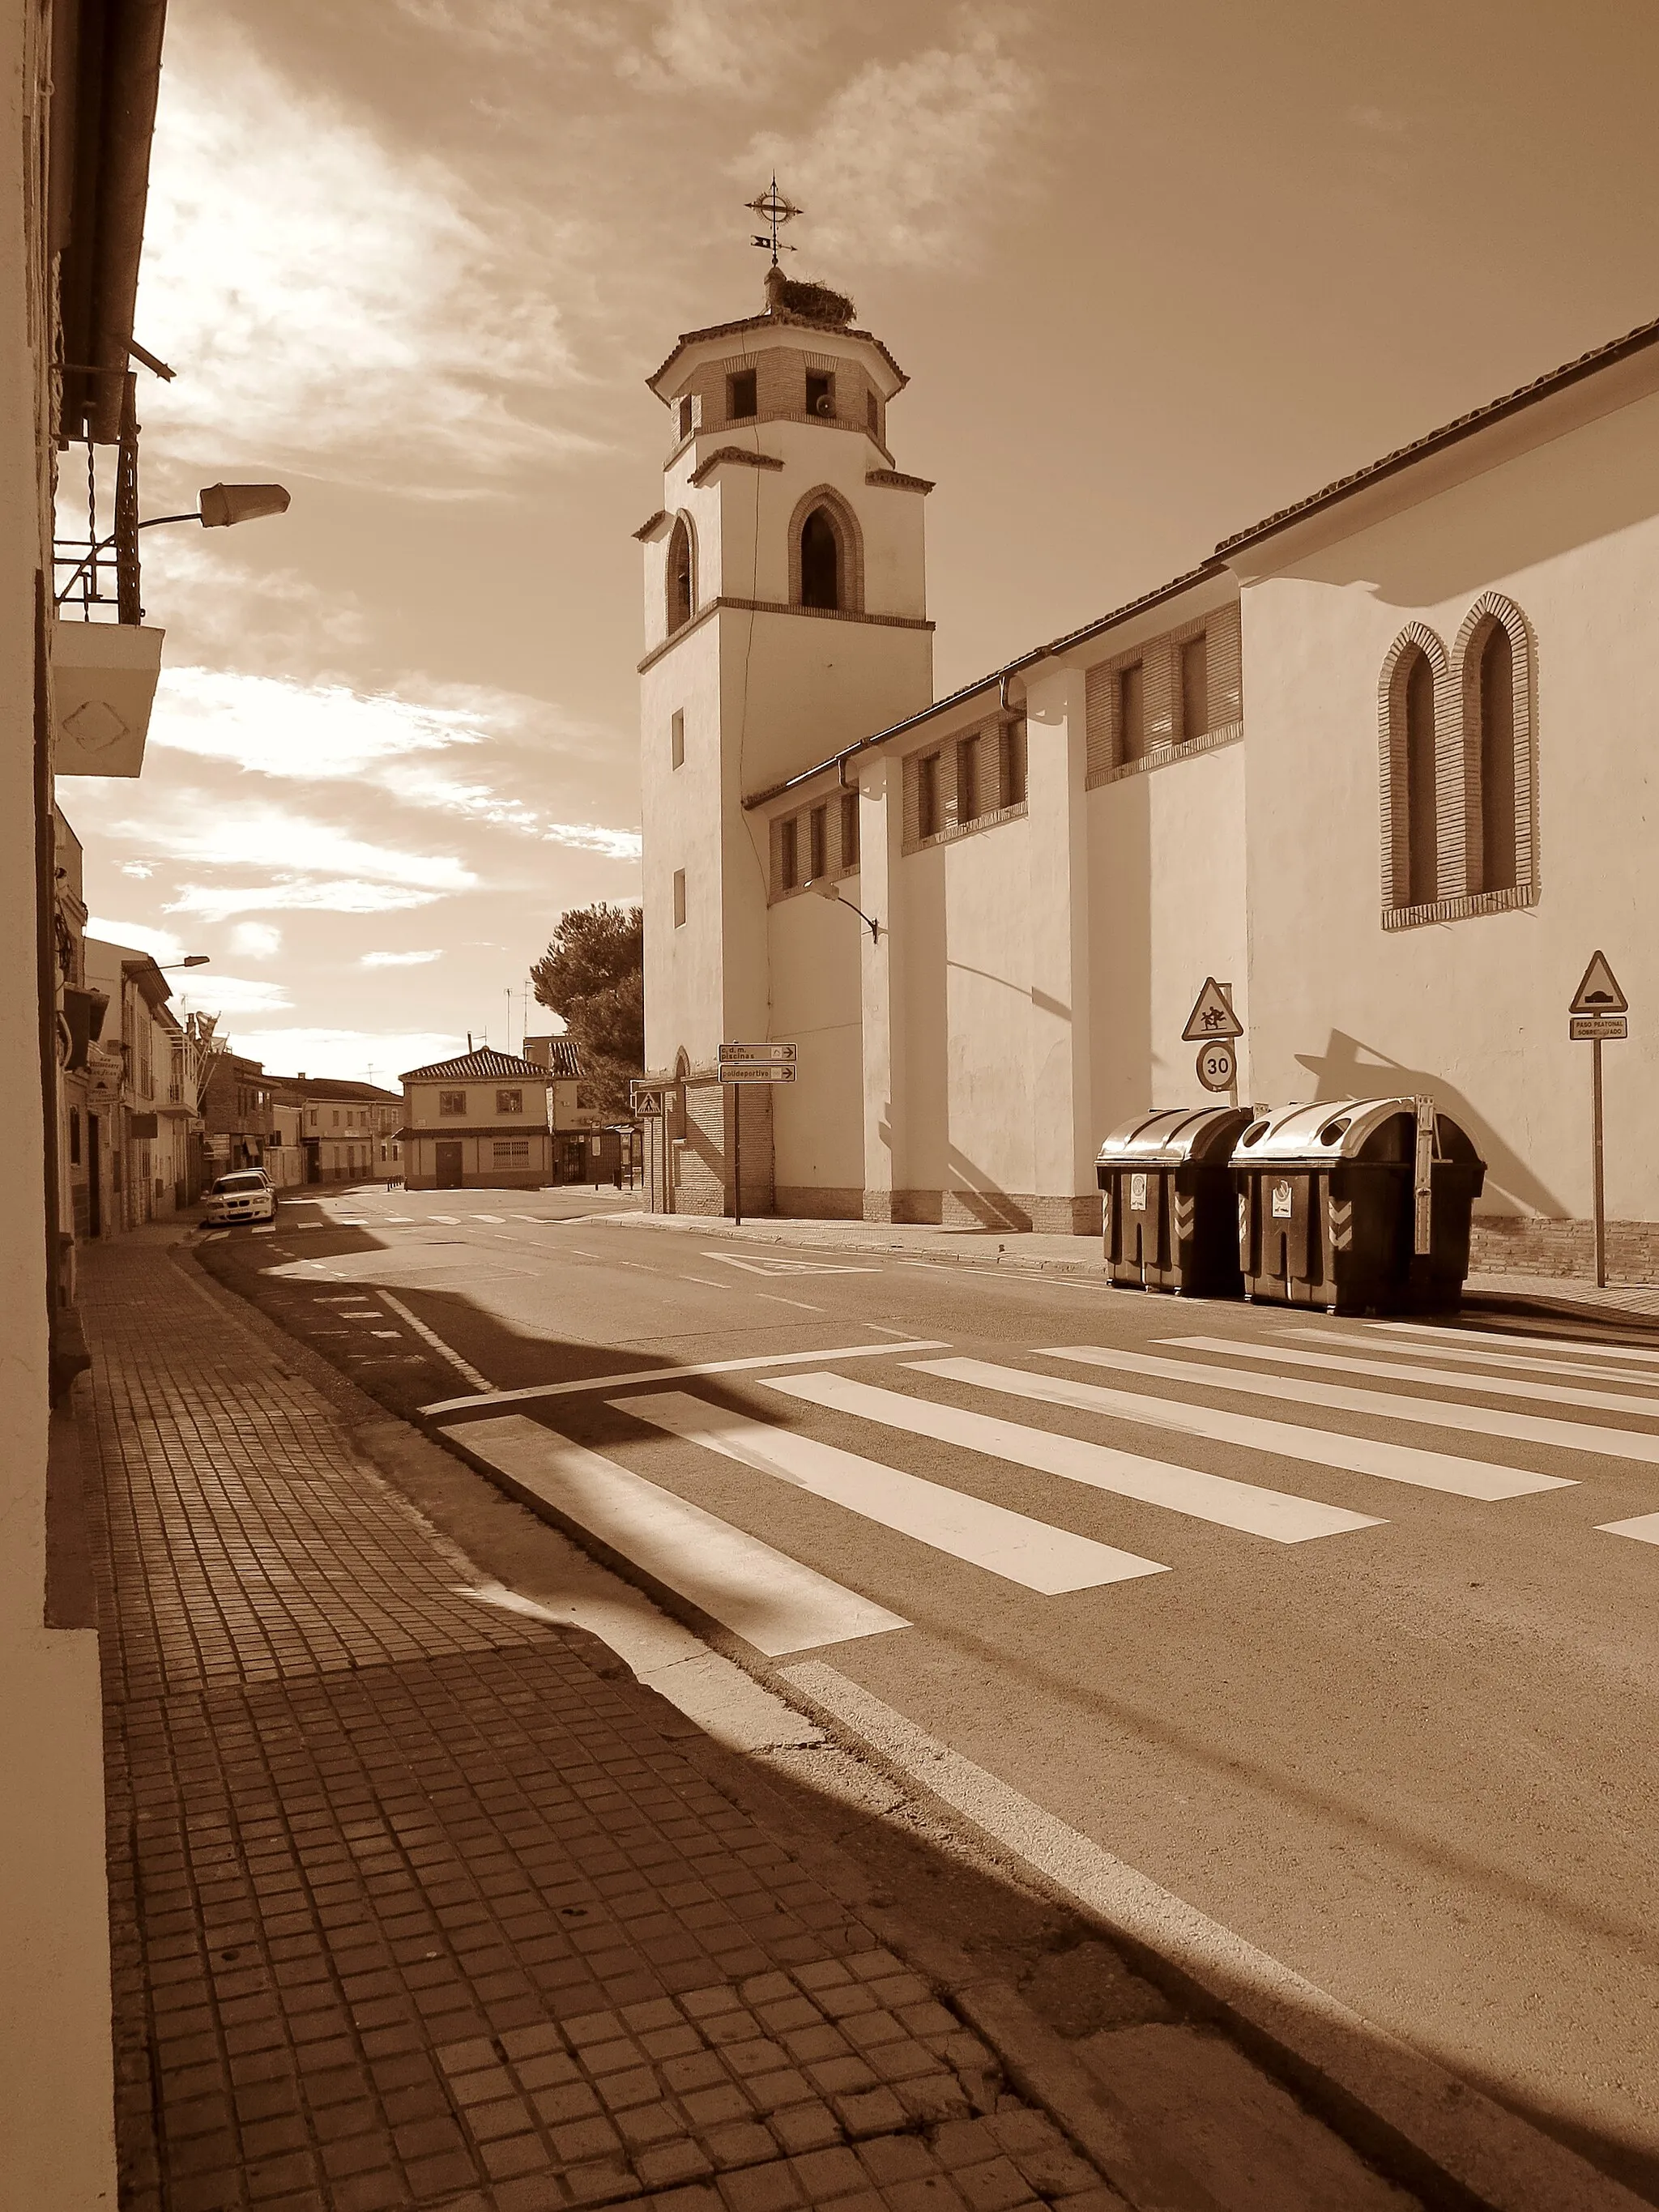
(1530, 1244)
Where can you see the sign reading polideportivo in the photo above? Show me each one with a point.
(757, 1063)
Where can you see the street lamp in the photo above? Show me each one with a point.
(825, 887)
(190, 960)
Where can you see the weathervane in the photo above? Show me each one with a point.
(774, 210)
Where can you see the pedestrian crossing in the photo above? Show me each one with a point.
(1032, 1541)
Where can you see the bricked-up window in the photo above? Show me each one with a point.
(679, 898)
(929, 821)
(1131, 713)
(967, 778)
(1421, 871)
(509, 1101)
(820, 393)
(817, 843)
(680, 594)
(740, 395)
(1498, 819)
(789, 854)
(1194, 668)
(685, 416)
(677, 738)
(449, 1101)
(820, 561)
(849, 828)
(873, 414)
(1011, 764)
(74, 1136)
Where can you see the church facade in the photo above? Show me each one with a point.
(1379, 765)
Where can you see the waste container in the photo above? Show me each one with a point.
(1167, 1194)
(1357, 1204)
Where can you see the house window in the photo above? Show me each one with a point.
(513, 1148)
(820, 561)
(1421, 871)
(789, 854)
(1194, 687)
(817, 843)
(680, 589)
(849, 828)
(1010, 763)
(336, 1117)
(740, 395)
(928, 822)
(686, 416)
(509, 1101)
(1131, 713)
(967, 779)
(679, 898)
(453, 1102)
(1497, 707)
(873, 414)
(677, 738)
(820, 393)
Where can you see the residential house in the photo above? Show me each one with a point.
(236, 1112)
(572, 1123)
(141, 1151)
(479, 1121)
(348, 1132)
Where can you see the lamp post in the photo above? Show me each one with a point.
(825, 887)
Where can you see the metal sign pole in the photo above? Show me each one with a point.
(737, 1155)
(1599, 1204)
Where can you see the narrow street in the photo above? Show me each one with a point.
(1329, 1627)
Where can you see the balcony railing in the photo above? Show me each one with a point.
(84, 566)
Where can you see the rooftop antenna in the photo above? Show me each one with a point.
(774, 210)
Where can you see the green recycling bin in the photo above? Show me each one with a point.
(1167, 1207)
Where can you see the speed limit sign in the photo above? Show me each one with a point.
(1217, 1069)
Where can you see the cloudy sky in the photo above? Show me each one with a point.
(1153, 272)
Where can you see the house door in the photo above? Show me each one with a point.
(449, 1162)
(94, 1175)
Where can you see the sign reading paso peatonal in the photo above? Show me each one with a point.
(757, 1063)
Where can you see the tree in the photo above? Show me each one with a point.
(592, 973)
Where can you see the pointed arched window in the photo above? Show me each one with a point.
(1497, 760)
(1421, 870)
(682, 595)
(820, 561)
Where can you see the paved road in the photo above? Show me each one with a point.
(1329, 1627)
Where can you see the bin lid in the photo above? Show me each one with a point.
(1171, 1134)
(1347, 1129)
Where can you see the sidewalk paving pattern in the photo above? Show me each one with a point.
(412, 1906)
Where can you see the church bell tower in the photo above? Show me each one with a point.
(785, 618)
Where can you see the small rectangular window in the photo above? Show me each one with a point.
(685, 416)
(740, 395)
(817, 843)
(679, 898)
(1131, 712)
(873, 414)
(677, 739)
(509, 1101)
(849, 828)
(1011, 764)
(967, 779)
(820, 393)
(1195, 687)
(74, 1136)
(513, 1148)
(449, 1101)
(337, 1117)
(927, 816)
(788, 854)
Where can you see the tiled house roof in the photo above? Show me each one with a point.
(484, 1061)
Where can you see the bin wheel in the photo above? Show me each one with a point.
(1330, 1309)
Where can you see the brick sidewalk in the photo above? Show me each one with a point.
(412, 1906)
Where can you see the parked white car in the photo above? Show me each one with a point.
(246, 1195)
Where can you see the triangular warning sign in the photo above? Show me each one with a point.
(1599, 994)
(1213, 1016)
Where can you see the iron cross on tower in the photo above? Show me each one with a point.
(774, 210)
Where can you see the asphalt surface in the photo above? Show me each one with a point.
(1396, 1734)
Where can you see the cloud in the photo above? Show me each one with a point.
(260, 940)
(289, 894)
(325, 298)
(160, 943)
(732, 46)
(398, 959)
(291, 845)
(588, 837)
(361, 1055)
(310, 732)
(907, 156)
(231, 994)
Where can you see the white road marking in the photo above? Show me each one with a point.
(385, 1331)
(1011, 1545)
(771, 1600)
(1644, 1528)
(449, 1220)
(785, 1266)
(538, 1219)
(1215, 1497)
(776, 1299)
(493, 1397)
(1472, 1359)
(708, 1282)
(350, 1298)
(1425, 1470)
(398, 1217)
(1563, 1343)
(1388, 1404)
(1491, 1386)
(462, 1367)
(497, 1218)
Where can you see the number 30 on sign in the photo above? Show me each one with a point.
(1217, 1069)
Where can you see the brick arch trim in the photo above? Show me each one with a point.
(1490, 610)
(1416, 637)
(849, 534)
(682, 521)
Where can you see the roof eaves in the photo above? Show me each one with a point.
(781, 320)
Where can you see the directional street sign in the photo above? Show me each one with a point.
(1599, 994)
(1211, 1016)
(738, 1054)
(749, 1071)
(1590, 1029)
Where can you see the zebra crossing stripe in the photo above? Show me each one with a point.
(1472, 1358)
(1644, 1528)
(1632, 1353)
(1491, 1386)
(771, 1600)
(1215, 1497)
(1425, 1470)
(1011, 1545)
(1387, 1405)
